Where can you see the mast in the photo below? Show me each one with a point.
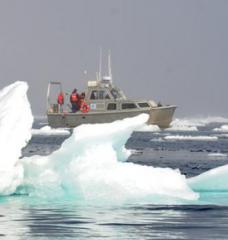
(109, 65)
(100, 65)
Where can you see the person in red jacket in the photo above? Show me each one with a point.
(74, 99)
(81, 99)
(60, 101)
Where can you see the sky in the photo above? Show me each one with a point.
(172, 51)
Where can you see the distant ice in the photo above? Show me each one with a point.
(203, 121)
(149, 128)
(217, 155)
(192, 124)
(223, 128)
(191, 138)
(182, 125)
(50, 131)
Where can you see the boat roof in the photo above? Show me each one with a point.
(106, 85)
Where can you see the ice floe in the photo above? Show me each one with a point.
(223, 128)
(47, 130)
(191, 138)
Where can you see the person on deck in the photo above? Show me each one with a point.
(60, 101)
(74, 99)
(81, 99)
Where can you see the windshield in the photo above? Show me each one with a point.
(117, 94)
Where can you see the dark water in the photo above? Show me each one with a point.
(22, 219)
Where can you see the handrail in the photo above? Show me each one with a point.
(49, 89)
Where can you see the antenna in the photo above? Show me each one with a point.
(100, 64)
(109, 65)
(97, 76)
(85, 75)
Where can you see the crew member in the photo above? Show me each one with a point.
(81, 98)
(74, 99)
(60, 101)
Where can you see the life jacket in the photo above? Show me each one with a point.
(74, 97)
(60, 99)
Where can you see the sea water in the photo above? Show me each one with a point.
(122, 180)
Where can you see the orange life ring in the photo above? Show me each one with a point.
(84, 107)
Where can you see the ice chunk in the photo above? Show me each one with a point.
(90, 166)
(15, 131)
(191, 138)
(223, 128)
(182, 125)
(212, 180)
(217, 155)
(149, 128)
(46, 130)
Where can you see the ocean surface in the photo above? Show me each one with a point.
(193, 147)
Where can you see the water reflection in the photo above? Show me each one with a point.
(69, 221)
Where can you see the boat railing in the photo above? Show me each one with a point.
(52, 107)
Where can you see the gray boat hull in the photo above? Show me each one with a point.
(161, 116)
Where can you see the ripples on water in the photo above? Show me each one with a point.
(24, 221)
(24, 218)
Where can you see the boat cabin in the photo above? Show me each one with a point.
(101, 96)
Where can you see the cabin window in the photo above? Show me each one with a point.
(93, 95)
(128, 106)
(115, 93)
(99, 95)
(106, 96)
(143, 105)
(111, 106)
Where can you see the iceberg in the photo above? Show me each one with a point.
(15, 131)
(90, 166)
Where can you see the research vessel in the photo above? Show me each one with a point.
(103, 103)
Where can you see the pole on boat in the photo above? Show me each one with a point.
(109, 65)
(48, 96)
(100, 64)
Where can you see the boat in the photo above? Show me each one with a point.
(104, 103)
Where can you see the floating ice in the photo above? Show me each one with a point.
(182, 125)
(46, 130)
(149, 128)
(223, 128)
(90, 167)
(192, 124)
(214, 180)
(203, 121)
(217, 155)
(191, 138)
(42, 120)
(15, 131)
